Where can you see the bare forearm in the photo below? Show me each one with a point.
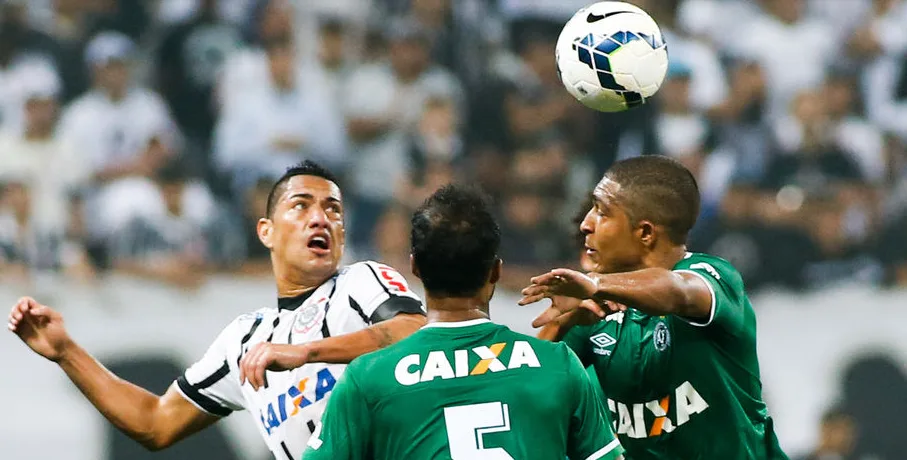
(129, 407)
(655, 291)
(345, 348)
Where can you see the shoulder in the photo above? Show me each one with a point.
(89, 101)
(145, 97)
(714, 266)
(369, 270)
(246, 322)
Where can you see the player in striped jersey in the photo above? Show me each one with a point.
(324, 317)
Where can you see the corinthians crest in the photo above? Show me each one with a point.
(308, 317)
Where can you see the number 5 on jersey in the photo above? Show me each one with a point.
(467, 424)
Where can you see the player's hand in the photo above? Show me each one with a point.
(270, 357)
(560, 282)
(40, 327)
(568, 311)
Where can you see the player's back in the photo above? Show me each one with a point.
(477, 390)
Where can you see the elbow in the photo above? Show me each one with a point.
(154, 443)
(152, 446)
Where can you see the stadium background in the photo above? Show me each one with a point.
(136, 217)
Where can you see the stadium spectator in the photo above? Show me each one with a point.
(765, 38)
(51, 165)
(531, 211)
(391, 238)
(885, 86)
(708, 82)
(383, 104)
(857, 137)
(278, 124)
(123, 129)
(28, 246)
(23, 50)
(690, 137)
(255, 259)
(837, 437)
(181, 241)
(189, 60)
(267, 20)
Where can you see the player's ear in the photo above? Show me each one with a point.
(265, 229)
(496, 269)
(412, 266)
(645, 231)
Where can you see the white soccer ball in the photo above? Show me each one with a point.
(611, 56)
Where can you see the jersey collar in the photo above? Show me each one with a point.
(468, 323)
(292, 303)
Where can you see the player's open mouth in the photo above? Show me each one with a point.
(590, 251)
(320, 243)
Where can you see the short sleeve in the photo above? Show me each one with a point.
(344, 430)
(726, 286)
(590, 435)
(578, 339)
(212, 383)
(380, 292)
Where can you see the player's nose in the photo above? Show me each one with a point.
(318, 218)
(586, 226)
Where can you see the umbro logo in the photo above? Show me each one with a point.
(602, 340)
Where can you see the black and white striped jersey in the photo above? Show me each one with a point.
(288, 409)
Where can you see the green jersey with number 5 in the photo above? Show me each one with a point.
(680, 389)
(472, 390)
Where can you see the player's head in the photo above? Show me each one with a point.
(454, 243)
(641, 206)
(303, 227)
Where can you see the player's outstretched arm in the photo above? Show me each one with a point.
(154, 421)
(336, 349)
(655, 291)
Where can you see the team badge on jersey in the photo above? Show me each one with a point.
(308, 317)
(662, 336)
(601, 342)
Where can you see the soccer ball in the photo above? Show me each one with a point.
(611, 56)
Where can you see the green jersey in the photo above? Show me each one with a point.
(678, 389)
(473, 390)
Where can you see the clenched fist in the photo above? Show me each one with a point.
(40, 327)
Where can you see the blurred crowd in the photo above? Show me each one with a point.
(143, 136)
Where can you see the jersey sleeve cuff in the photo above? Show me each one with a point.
(609, 452)
(394, 306)
(711, 309)
(204, 403)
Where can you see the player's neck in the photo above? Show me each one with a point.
(293, 286)
(455, 309)
(666, 257)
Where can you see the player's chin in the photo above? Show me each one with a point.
(588, 260)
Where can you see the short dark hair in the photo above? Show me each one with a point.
(306, 168)
(454, 241)
(658, 189)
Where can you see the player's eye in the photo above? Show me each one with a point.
(300, 206)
